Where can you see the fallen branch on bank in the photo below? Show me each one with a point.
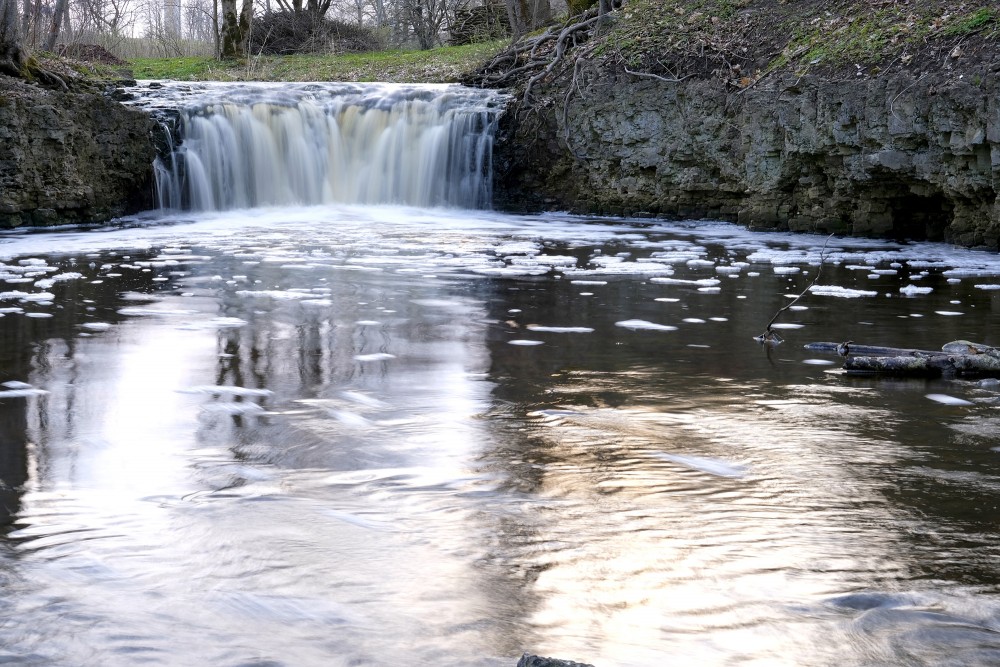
(959, 358)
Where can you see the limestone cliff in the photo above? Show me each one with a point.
(70, 157)
(751, 116)
(896, 156)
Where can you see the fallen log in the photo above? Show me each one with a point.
(916, 366)
(868, 350)
(957, 358)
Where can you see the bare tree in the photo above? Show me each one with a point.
(427, 18)
(57, 20)
(11, 52)
(527, 15)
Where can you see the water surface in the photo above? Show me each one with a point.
(385, 436)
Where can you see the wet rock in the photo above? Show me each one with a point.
(538, 661)
(70, 157)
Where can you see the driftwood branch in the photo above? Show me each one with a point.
(770, 336)
(959, 358)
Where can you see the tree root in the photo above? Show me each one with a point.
(30, 70)
(537, 57)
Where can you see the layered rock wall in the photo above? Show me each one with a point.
(70, 157)
(907, 156)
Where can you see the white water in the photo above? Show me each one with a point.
(248, 146)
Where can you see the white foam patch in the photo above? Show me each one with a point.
(948, 313)
(137, 310)
(589, 282)
(786, 325)
(46, 283)
(16, 384)
(26, 296)
(992, 286)
(375, 356)
(948, 400)
(643, 325)
(841, 292)
(38, 315)
(524, 342)
(712, 466)
(971, 272)
(703, 282)
(280, 295)
(244, 409)
(22, 393)
(536, 327)
(818, 362)
(913, 290)
(693, 320)
(214, 323)
(225, 390)
(786, 270)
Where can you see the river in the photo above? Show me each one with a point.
(338, 413)
(344, 435)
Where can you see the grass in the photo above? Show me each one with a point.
(442, 65)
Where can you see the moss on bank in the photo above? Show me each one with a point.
(744, 40)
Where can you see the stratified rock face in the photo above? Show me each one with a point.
(904, 156)
(70, 157)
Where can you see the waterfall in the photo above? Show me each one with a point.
(286, 144)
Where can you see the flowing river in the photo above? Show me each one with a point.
(383, 435)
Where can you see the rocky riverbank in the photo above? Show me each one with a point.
(70, 156)
(741, 111)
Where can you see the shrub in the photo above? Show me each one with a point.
(285, 33)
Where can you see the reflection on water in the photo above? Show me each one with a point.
(342, 436)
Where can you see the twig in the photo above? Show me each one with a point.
(657, 76)
(770, 336)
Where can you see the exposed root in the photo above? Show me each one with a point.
(534, 59)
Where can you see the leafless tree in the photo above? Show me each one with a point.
(528, 15)
(58, 13)
(11, 52)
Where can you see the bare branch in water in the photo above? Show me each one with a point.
(770, 336)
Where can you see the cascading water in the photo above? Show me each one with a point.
(286, 144)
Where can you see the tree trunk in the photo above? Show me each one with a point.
(57, 20)
(11, 54)
(515, 16)
(234, 33)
